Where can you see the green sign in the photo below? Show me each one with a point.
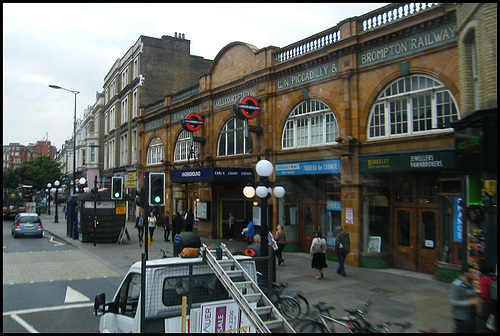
(412, 161)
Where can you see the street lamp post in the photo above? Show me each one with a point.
(56, 185)
(264, 169)
(49, 186)
(74, 132)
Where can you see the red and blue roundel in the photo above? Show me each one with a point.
(192, 122)
(247, 108)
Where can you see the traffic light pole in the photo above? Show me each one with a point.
(145, 215)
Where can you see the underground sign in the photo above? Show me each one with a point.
(192, 122)
(247, 108)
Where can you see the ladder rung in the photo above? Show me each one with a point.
(234, 273)
(243, 284)
(253, 297)
(263, 310)
(273, 324)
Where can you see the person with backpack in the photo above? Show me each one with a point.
(318, 254)
(342, 248)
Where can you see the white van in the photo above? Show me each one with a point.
(209, 306)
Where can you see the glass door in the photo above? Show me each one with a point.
(427, 240)
(309, 229)
(404, 237)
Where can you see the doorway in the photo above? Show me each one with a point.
(314, 217)
(415, 237)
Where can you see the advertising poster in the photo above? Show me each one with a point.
(349, 215)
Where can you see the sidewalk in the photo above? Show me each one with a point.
(396, 295)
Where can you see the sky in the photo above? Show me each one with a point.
(75, 45)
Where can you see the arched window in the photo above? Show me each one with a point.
(311, 123)
(232, 139)
(155, 151)
(182, 147)
(411, 105)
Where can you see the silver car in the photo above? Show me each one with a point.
(27, 224)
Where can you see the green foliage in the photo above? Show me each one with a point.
(37, 172)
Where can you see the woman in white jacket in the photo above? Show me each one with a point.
(318, 250)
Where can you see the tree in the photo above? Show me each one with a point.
(38, 172)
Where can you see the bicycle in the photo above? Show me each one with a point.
(354, 323)
(286, 304)
(304, 304)
(166, 254)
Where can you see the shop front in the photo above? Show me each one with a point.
(212, 193)
(312, 201)
(408, 210)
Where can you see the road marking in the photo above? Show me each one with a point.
(24, 324)
(54, 242)
(46, 309)
(74, 296)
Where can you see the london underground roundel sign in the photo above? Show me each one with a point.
(247, 108)
(192, 122)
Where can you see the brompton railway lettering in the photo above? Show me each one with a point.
(408, 45)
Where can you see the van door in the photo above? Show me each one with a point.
(124, 316)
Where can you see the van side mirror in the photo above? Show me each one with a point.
(99, 304)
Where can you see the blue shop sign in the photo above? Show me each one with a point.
(334, 205)
(308, 168)
(458, 217)
(211, 174)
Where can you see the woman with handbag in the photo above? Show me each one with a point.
(318, 250)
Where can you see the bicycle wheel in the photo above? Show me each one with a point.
(304, 304)
(311, 326)
(289, 307)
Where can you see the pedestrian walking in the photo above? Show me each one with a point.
(463, 300)
(317, 252)
(166, 226)
(139, 224)
(280, 239)
(151, 224)
(189, 218)
(232, 226)
(249, 232)
(176, 225)
(342, 248)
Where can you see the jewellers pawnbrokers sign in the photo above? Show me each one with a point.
(413, 161)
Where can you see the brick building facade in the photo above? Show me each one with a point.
(356, 120)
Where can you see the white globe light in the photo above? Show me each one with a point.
(49, 185)
(82, 180)
(261, 191)
(264, 168)
(279, 191)
(249, 192)
(56, 183)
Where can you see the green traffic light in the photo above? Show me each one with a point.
(117, 194)
(157, 199)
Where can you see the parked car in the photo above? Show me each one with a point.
(27, 224)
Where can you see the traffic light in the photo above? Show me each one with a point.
(140, 197)
(156, 189)
(116, 187)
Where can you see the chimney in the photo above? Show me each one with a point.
(175, 34)
(183, 36)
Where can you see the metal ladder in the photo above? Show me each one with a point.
(237, 288)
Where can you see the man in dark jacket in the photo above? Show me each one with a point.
(176, 225)
(189, 220)
(342, 248)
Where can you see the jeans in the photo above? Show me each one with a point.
(166, 233)
(151, 231)
(279, 252)
(341, 256)
(140, 232)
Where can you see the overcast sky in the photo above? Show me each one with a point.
(75, 45)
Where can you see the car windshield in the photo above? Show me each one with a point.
(28, 219)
